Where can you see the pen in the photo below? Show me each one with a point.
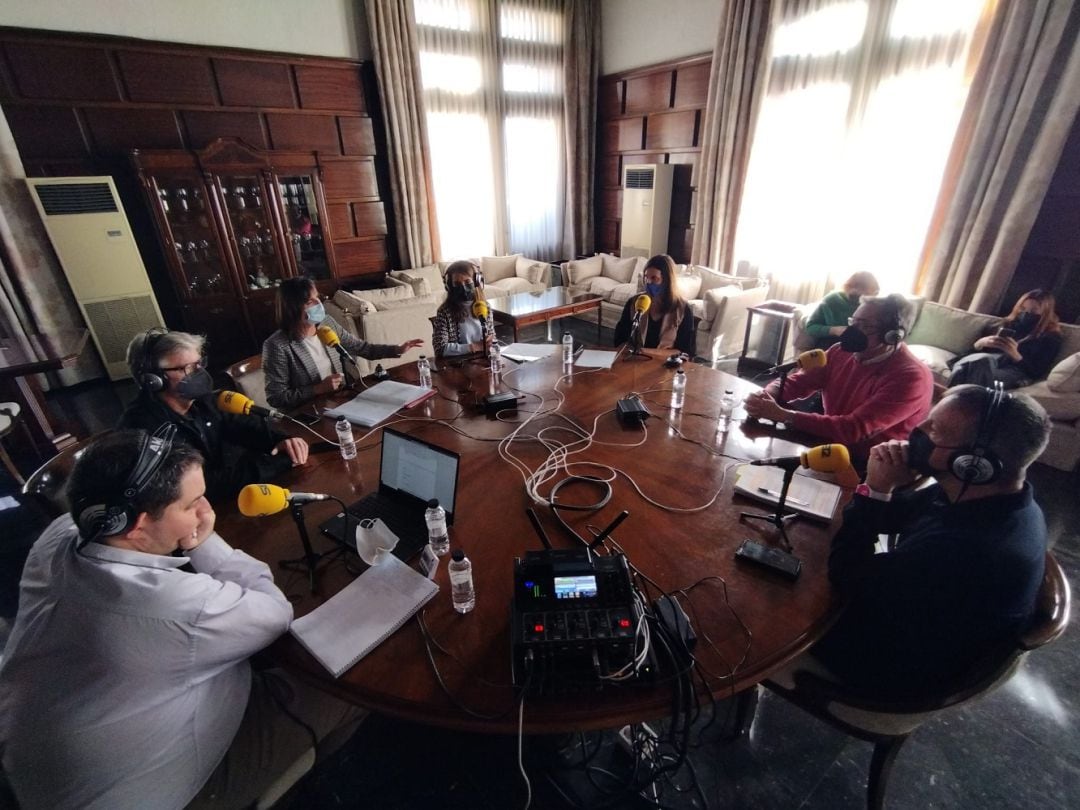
(775, 494)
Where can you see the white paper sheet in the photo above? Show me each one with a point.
(527, 352)
(594, 358)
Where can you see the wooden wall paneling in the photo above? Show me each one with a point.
(47, 71)
(327, 88)
(349, 179)
(681, 201)
(204, 127)
(317, 133)
(51, 132)
(611, 203)
(169, 78)
(609, 99)
(631, 134)
(359, 257)
(672, 130)
(692, 85)
(357, 136)
(680, 243)
(608, 134)
(610, 170)
(686, 164)
(608, 236)
(342, 225)
(369, 218)
(117, 131)
(250, 83)
(649, 92)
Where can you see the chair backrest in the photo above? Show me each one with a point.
(248, 378)
(1052, 607)
(47, 486)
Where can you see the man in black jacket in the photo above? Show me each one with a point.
(963, 577)
(175, 387)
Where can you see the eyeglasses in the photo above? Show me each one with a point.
(863, 324)
(189, 369)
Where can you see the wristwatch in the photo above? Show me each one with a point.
(864, 490)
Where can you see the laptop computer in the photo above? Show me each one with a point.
(411, 472)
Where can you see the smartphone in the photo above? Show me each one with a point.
(308, 418)
(787, 565)
(1006, 332)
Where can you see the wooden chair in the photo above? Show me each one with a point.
(46, 486)
(247, 378)
(888, 723)
(9, 417)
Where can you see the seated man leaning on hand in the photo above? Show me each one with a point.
(175, 388)
(965, 573)
(872, 387)
(125, 682)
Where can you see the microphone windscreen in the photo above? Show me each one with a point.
(327, 335)
(234, 402)
(815, 358)
(256, 500)
(643, 303)
(480, 309)
(827, 458)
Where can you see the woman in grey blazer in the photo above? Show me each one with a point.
(296, 364)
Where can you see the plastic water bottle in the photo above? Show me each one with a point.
(435, 517)
(678, 389)
(423, 368)
(727, 408)
(567, 348)
(496, 358)
(345, 439)
(461, 582)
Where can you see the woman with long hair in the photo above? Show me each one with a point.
(455, 331)
(296, 364)
(668, 323)
(1020, 351)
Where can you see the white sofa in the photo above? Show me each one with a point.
(403, 307)
(942, 333)
(717, 301)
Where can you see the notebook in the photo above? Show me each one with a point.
(807, 496)
(363, 615)
(380, 402)
(411, 472)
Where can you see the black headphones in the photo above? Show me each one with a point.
(979, 464)
(97, 520)
(146, 368)
(478, 278)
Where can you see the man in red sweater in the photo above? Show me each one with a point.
(872, 388)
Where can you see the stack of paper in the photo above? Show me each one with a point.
(527, 352)
(379, 402)
(807, 496)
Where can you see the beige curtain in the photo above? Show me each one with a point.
(1023, 102)
(736, 86)
(581, 73)
(34, 294)
(397, 66)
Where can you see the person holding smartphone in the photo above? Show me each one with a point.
(1019, 352)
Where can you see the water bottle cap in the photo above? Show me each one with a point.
(423, 357)
(342, 422)
(434, 502)
(680, 371)
(457, 555)
(728, 391)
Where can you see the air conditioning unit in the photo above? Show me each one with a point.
(646, 209)
(91, 236)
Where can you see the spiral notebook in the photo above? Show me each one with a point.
(363, 615)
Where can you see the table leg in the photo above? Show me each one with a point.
(599, 324)
(548, 321)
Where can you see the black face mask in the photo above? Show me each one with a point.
(853, 340)
(1025, 322)
(920, 448)
(196, 385)
(463, 293)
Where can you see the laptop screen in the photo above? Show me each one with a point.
(412, 466)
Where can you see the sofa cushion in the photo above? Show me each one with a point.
(419, 284)
(1070, 341)
(711, 278)
(949, 328)
(580, 270)
(1065, 376)
(601, 285)
(1061, 406)
(697, 309)
(621, 293)
(496, 268)
(622, 270)
(384, 304)
(937, 359)
(689, 284)
(424, 280)
(530, 270)
(508, 286)
(714, 300)
(353, 303)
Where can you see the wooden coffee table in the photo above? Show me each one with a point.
(523, 309)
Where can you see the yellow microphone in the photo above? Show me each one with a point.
(330, 338)
(815, 358)
(480, 310)
(236, 403)
(823, 458)
(257, 500)
(642, 304)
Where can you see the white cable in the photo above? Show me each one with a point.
(521, 761)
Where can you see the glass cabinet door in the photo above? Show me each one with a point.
(183, 203)
(303, 228)
(248, 213)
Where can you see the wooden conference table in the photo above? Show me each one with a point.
(764, 622)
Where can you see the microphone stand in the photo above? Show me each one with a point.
(778, 518)
(780, 392)
(636, 340)
(311, 558)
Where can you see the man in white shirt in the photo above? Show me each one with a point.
(126, 679)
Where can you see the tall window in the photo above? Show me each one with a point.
(493, 95)
(863, 102)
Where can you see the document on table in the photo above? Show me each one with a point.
(594, 358)
(807, 496)
(527, 352)
(379, 402)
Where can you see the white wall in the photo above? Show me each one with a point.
(312, 27)
(644, 32)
